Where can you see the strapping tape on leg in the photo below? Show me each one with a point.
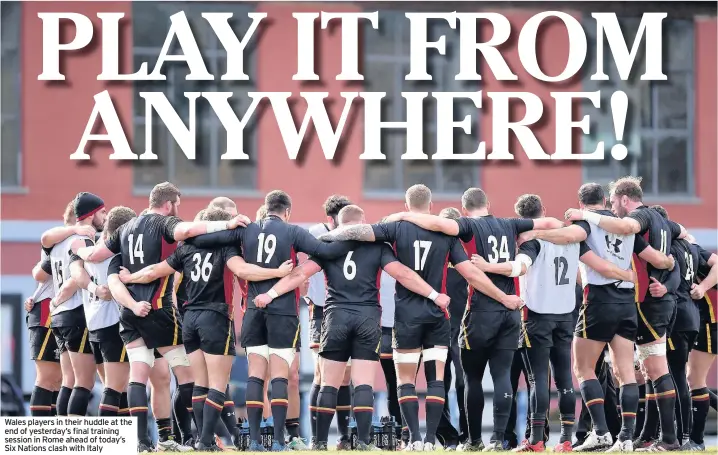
(349, 362)
(141, 354)
(646, 351)
(435, 354)
(406, 357)
(262, 350)
(315, 355)
(286, 354)
(177, 357)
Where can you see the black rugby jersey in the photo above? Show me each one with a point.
(269, 243)
(428, 254)
(354, 278)
(687, 261)
(458, 290)
(147, 240)
(660, 234)
(39, 315)
(495, 241)
(208, 280)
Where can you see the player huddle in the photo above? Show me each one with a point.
(154, 292)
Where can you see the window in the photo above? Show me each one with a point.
(206, 171)
(10, 110)
(659, 125)
(386, 63)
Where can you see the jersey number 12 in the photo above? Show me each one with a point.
(561, 265)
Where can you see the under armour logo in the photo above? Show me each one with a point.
(616, 245)
(565, 391)
(508, 395)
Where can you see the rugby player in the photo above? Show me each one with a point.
(704, 350)
(386, 358)
(685, 328)
(458, 291)
(49, 378)
(655, 313)
(351, 327)
(491, 326)
(68, 318)
(207, 331)
(548, 286)
(421, 328)
(270, 334)
(608, 315)
(151, 322)
(103, 319)
(316, 296)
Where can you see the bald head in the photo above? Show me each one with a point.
(225, 204)
(351, 214)
(418, 197)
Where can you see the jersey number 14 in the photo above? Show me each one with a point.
(136, 250)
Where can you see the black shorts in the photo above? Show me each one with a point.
(160, 328)
(43, 345)
(546, 330)
(490, 329)
(415, 335)
(72, 339)
(107, 345)
(315, 326)
(354, 334)
(386, 351)
(277, 331)
(681, 342)
(603, 321)
(208, 330)
(706, 339)
(655, 319)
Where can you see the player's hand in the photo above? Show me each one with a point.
(103, 292)
(512, 302)
(526, 237)
(442, 301)
(29, 303)
(657, 289)
(141, 309)
(479, 262)
(631, 275)
(54, 305)
(690, 238)
(285, 269)
(573, 215)
(237, 221)
(86, 230)
(394, 217)
(124, 275)
(697, 292)
(262, 300)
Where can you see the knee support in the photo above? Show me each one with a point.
(262, 351)
(177, 357)
(141, 354)
(655, 350)
(286, 354)
(437, 354)
(406, 357)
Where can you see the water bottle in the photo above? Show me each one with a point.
(353, 434)
(244, 434)
(266, 430)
